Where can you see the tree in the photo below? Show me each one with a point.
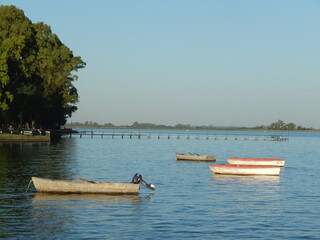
(36, 73)
(16, 53)
(278, 125)
(290, 126)
(136, 125)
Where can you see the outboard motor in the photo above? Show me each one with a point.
(137, 179)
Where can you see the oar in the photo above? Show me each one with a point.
(83, 179)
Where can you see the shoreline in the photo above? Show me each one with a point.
(196, 129)
(5, 138)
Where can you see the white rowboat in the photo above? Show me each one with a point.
(87, 186)
(234, 169)
(70, 186)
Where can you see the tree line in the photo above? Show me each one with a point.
(281, 125)
(36, 73)
(278, 125)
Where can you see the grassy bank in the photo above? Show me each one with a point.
(5, 137)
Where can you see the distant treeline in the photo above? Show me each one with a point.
(279, 125)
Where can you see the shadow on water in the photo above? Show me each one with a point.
(18, 163)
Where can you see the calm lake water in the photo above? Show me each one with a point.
(189, 200)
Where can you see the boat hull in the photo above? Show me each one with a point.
(195, 157)
(257, 161)
(233, 169)
(70, 186)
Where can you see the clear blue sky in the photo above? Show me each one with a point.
(225, 63)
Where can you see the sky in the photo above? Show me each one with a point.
(208, 62)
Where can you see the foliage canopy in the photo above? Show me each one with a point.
(36, 73)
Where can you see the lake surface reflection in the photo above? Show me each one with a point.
(189, 201)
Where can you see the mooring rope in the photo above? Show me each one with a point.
(28, 185)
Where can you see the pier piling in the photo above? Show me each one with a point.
(139, 135)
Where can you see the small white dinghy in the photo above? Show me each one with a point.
(235, 169)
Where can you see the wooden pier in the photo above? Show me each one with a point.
(140, 135)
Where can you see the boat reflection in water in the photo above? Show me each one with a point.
(52, 214)
(43, 198)
(246, 179)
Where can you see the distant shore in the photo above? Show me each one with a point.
(11, 138)
(196, 129)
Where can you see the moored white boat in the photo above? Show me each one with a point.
(195, 157)
(87, 186)
(257, 161)
(235, 169)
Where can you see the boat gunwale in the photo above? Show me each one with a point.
(242, 166)
(255, 159)
(195, 157)
(245, 170)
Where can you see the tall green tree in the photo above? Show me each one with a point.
(36, 73)
(278, 125)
